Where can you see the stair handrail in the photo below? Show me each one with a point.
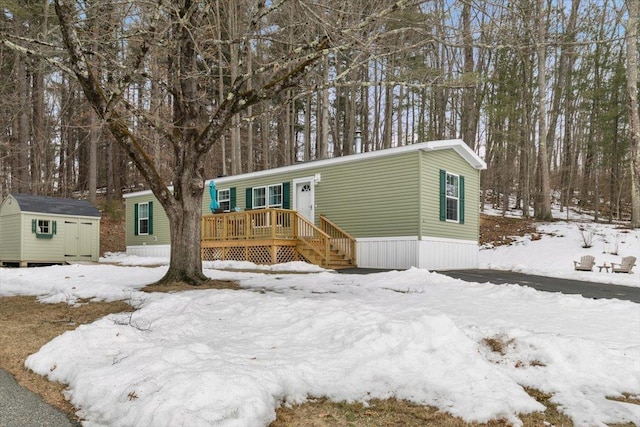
(324, 248)
(338, 234)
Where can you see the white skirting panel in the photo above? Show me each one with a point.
(160, 251)
(407, 252)
(387, 252)
(448, 254)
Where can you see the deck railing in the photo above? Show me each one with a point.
(314, 239)
(272, 227)
(256, 224)
(340, 239)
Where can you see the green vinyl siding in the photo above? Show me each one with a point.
(158, 222)
(431, 196)
(375, 197)
(395, 195)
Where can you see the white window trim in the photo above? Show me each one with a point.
(253, 198)
(447, 197)
(141, 218)
(278, 205)
(266, 197)
(220, 200)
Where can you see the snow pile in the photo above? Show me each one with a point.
(230, 358)
(71, 283)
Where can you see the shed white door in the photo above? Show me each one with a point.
(70, 240)
(304, 199)
(77, 240)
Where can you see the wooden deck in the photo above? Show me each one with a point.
(273, 236)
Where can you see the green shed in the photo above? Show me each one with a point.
(411, 206)
(47, 230)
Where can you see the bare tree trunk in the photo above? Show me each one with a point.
(544, 212)
(323, 140)
(468, 98)
(22, 138)
(634, 116)
(249, 143)
(307, 129)
(94, 135)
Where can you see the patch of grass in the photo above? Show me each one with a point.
(395, 413)
(626, 398)
(26, 325)
(498, 344)
(182, 286)
(378, 413)
(498, 231)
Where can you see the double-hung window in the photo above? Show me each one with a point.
(267, 197)
(224, 198)
(275, 196)
(143, 218)
(259, 197)
(451, 197)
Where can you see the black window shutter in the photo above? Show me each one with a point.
(33, 225)
(150, 217)
(443, 195)
(135, 219)
(286, 196)
(248, 195)
(461, 198)
(232, 198)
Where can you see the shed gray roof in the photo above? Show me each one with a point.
(54, 205)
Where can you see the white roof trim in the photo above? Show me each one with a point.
(456, 144)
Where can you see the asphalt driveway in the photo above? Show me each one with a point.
(541, 283)
(550, 284)
(20, 407)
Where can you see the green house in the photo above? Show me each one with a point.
(410, 206)
(47, 230)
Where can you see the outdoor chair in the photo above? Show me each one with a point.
(586, 263)
(625, 265)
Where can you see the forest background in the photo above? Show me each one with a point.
(539, 88)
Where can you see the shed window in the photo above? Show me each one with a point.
(451, 197)
(43, 228)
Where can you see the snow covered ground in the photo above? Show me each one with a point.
(229, 358)
(560, 244)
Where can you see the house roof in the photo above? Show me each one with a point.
(458, 145)
(55, 205)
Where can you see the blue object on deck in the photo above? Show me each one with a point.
(214, 197)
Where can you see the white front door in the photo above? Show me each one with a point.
(303, 200)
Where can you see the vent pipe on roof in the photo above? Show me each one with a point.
(358, 142)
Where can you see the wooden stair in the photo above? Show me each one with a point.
(337, 259)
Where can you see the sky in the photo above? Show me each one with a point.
(231, 357)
